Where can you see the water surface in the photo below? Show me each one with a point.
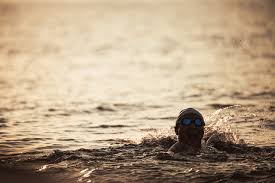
(94, 75)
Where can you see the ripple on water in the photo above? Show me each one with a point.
(219, 106)
(112, 126)
(3, 122)
(268, 123)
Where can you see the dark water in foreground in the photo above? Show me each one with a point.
(147, 161)
(90, 92)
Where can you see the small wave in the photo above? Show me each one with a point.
(3, 122)
(111, 126)
(218, 106)
(109, 108)
(272, 108)
(148, 130)
(3, 125)
(52, 110)
(269, 124)
(160, 118)
(68, 139)
(117, 141)
(265, 94)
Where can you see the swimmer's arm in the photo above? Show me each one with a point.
(213, 140)
(176, 148)
(172, 148)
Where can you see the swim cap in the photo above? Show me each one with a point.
(188, 111)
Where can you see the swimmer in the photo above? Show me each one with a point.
(190, 130)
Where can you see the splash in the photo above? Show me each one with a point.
(220, 125)
(162, 137)
(240, 124)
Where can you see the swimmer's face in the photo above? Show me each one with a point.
(189, 132)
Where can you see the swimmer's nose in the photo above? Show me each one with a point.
(193, 125)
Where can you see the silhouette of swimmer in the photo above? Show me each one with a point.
(190, 130)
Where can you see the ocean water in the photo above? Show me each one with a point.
(90, 91)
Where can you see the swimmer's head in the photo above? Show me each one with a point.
(190, 125)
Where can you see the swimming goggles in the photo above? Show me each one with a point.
(196, 122)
